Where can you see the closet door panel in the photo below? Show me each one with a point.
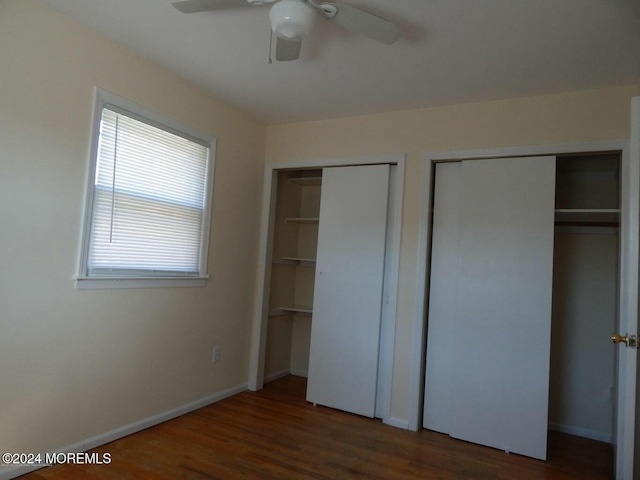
(442, 297)
(345, 327)
(500, 380)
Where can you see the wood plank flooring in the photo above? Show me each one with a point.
(275, 434)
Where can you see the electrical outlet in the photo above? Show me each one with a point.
(216, 354)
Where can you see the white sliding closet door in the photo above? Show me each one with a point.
(442, 297)
(345, 327)
(500, 320)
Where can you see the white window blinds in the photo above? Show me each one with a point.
(149, 200)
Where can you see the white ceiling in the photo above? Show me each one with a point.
(452, 51)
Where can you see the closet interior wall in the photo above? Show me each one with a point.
(292, 273)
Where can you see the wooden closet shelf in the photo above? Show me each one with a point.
(302, 220)
(306, 181)
(298, 309)
(596, 217)
(299, 259)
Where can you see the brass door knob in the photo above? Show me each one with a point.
(617, 338)
(630, 341)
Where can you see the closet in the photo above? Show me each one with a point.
(297, 213)
(522, 300)
(330, 252)
(585, 295)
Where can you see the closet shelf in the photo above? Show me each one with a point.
(302, 220)
(306, 181)
(298, 309)
(300, 259)
(587, 216)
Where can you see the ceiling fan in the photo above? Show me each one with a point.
(293, 20)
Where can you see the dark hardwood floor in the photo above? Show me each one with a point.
(275, 434)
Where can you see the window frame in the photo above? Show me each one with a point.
(105, 99)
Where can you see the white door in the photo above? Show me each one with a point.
(442, 296)
(345, 326)
(628, 357)
(500, 319)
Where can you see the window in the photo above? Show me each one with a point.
(148, 200)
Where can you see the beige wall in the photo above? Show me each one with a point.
(573, 117)
(75, 364)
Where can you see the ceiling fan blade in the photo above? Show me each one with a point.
(364, 23)
(287, 50)
(194, 6)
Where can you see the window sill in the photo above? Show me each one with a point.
(97, 283)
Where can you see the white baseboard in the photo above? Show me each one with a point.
(398, 423)
(275, 376)
(581, 432)
(283, 373)
(9, 472)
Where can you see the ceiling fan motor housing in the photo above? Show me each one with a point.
(292, 19)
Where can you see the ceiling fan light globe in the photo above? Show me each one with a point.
(292, 19)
